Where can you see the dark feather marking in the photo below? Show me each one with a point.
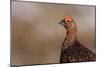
(76, 53)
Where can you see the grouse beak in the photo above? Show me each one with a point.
(62, 23)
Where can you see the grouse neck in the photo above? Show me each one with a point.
(70, 39)
(71, 35)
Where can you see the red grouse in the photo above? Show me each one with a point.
(72, 50)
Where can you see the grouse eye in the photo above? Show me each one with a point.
(67, 20)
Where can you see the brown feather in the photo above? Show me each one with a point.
(72, 50)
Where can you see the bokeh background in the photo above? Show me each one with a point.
(36, 36)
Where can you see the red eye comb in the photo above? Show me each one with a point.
(68, 18)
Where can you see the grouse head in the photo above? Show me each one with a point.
(68, 24)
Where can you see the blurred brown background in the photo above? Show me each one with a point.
(36, 36)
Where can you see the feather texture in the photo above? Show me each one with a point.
(72, 50)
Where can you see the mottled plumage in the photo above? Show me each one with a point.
(72, 50)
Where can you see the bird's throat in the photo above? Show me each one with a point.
(71, 36)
